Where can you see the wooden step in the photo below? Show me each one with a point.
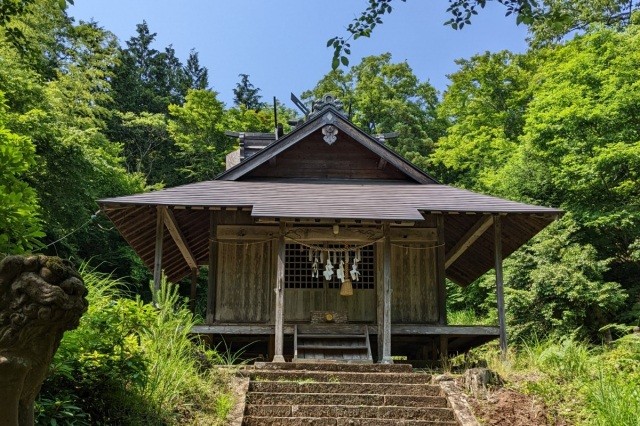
(346, 347)
(331, 336)
(332, 347)
(338, 376)
(372, 368)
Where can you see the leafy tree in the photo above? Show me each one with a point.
(246, 94)
(148, 149)
(565, 282)
(574, 144)
(485, 105)
(581, 143)
(20, 225)
(198, 128)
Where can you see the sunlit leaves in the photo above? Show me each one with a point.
(20, 224)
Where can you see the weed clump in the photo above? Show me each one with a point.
(131, 362)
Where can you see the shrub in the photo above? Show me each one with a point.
(130, 362)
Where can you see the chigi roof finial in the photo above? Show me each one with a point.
(327, 100)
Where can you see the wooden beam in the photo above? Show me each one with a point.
(497, 227)
(247, 233)
(379, 294)
(386, 282)
(212, 276)
(441, 276)
(279, 311)
(355, 234)
(382, 163)
(194, 288)
(157, 262)
(396, 329)
(468, 239)
(178, 237)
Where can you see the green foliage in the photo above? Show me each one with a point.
(556, 127)
(246, 94)
(20, 225)
(564, 281)
(581, 384)
(484, 105)
(129, 362)
(197, 127)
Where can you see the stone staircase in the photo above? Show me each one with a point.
(343, 394)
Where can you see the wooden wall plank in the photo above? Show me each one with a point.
(413, 270)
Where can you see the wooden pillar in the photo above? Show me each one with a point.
(497, 227)
(194, 289)
(444, 347)
(379, 296)
(386, 283)
(212, 275)
(157, 262)
(441, 275)
(279, 311)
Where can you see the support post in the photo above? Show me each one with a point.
(279, 312)
(444, 348)
(157, 262)
(194, 288)
(441, 276)
(380, 296)
(212, 275)
(497, 227)
(386, 330)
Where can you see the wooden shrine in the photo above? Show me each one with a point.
(282, 228)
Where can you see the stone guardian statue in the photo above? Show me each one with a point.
(40, 298)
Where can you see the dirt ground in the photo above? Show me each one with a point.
(506, 407)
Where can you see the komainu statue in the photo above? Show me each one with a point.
(40, 298)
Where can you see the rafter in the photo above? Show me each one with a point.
(468, 239)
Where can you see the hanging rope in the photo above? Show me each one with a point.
(232, 243)
(91, 219)
(347, 249)
(418, 248)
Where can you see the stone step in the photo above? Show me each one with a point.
(360, 388)
(267, 398)
(333, 366)
(340, 421)
(351, 412)
(337, 376)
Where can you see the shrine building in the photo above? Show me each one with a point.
(324, 244)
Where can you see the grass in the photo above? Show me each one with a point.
(223, 406)
(583, 384)
(466, 317)
(131, 362)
